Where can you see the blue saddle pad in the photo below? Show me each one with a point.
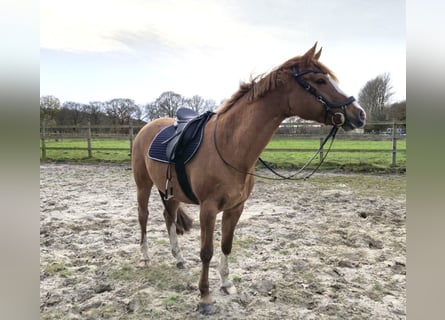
(158, 147)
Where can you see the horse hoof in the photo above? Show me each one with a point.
(143, 263)
(206, 308)
(229, 290)
(180, 265)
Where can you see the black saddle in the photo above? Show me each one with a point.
(178, 144)
(185, 114)
(188, 125)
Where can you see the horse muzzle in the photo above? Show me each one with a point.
(354, 120)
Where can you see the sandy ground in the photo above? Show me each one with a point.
(331, 247)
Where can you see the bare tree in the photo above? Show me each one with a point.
(195, 103)
(120, 110)
(94, 112)
(137, 114)
(49, 106)
(165, 106)
(199, 104)
(375, 96)
(210, 105)
(397, 111)
(71, 113)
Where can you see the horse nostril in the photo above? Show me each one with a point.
(362, 115)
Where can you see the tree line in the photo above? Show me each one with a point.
(120, 111)
(374, 97)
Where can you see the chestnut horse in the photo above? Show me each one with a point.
(220, 172)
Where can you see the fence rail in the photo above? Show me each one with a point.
(127, 132)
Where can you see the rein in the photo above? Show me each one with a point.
(331, 135)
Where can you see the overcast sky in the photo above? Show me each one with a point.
(97, 50)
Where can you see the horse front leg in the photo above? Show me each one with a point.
(207, 219)
(230, 219)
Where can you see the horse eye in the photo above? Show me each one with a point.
(321, 81)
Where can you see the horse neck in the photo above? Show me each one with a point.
(248, 128)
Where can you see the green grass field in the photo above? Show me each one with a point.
(346, 161)
(356, 160)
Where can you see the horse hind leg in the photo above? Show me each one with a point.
(177, 222)
(143, 195)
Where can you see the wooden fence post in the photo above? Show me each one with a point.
(321, 150)
(130, 133)
(394, 145)
(90, 153)
(42, 137)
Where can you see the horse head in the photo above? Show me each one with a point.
(314, 93)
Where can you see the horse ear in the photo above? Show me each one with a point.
(309, 55)
(318, 54)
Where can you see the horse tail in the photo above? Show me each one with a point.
(183, 221)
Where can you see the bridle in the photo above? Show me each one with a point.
(329, 106)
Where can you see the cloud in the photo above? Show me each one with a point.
(123, 26)
(87, 26)
(107, 25)
(166, 41)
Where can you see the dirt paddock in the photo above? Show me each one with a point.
(331, 247)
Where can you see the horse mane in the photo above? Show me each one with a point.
(260, 85)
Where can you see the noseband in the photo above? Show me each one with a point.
(329, 106)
